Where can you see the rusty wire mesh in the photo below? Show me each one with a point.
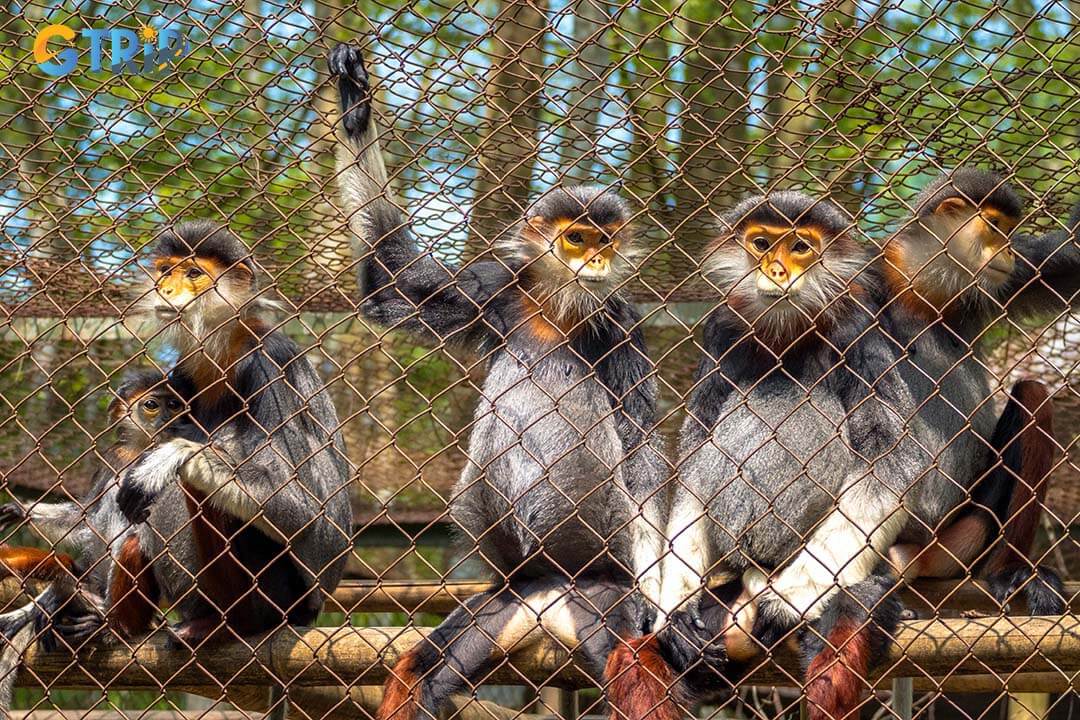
(685, 107)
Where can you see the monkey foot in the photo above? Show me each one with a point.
(11, 513)
(193, 634)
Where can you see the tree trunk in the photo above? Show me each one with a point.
(713, 145)
(507, 153)
(580, 127)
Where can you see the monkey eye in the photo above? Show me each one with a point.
(172, 404)
(151, 405)
(575, 238)
(194, 273)
(801, 247)
(761, 244)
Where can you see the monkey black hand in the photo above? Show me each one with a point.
(687, 639)
(354, 90)
(133, 500)
(645, 614)
(11, 513)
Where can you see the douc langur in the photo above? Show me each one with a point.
(794, 466)
(557, 496)
(91, 540)
(953, 273)
(265, 499)
(97, 569)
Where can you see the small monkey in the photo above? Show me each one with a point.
(99, 545)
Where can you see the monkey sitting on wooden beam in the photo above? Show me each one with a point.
(953, 273)
(795, 465)
(559, 494)
(265, 500)
(98, 569)
(92, 542)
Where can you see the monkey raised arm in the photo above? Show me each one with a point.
(1046, 280)
(400, 285)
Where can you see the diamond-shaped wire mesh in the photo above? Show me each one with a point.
(554, 464)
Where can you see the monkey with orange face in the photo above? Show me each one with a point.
(264, 500)
(954, 272)
(793, 461)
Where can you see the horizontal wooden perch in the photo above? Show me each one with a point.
(925, 596)
(360, 656)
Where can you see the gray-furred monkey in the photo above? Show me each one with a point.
(92, 530)
(560, 456)
(266, 499)
(107, 574)
(794, 468)
(954, 272)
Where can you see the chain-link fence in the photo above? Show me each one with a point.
(631, 451)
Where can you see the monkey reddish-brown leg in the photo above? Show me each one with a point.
(640, 683)
(959, 545)
(221, 579)
(836, 675)
(133, 592)
(34, 563)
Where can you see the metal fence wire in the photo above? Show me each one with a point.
(671, 357)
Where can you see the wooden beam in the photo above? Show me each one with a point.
(925, 596)
(323, 656)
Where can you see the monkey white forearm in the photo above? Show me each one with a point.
(685, 565)
(842, 551)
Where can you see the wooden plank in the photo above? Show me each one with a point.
(925, 596)
(322, 656)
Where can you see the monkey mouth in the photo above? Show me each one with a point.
(996, 273)
(772, 292)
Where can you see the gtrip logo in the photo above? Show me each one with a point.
(144, 52)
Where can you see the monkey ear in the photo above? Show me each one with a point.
(116, 409)
(952, 206)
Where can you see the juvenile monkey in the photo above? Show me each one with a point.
(265, 500)
(951, 274)
(561, 463)
(97, 569)
(91, 540)
(794, 466)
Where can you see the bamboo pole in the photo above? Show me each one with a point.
(924, 596)
(324, 656)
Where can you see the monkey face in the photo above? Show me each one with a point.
(145, 416)
(183, 284)
(976, 239)
(201, 290)
(584, 249)
(782, 256)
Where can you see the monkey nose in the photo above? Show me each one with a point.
(777, 271)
